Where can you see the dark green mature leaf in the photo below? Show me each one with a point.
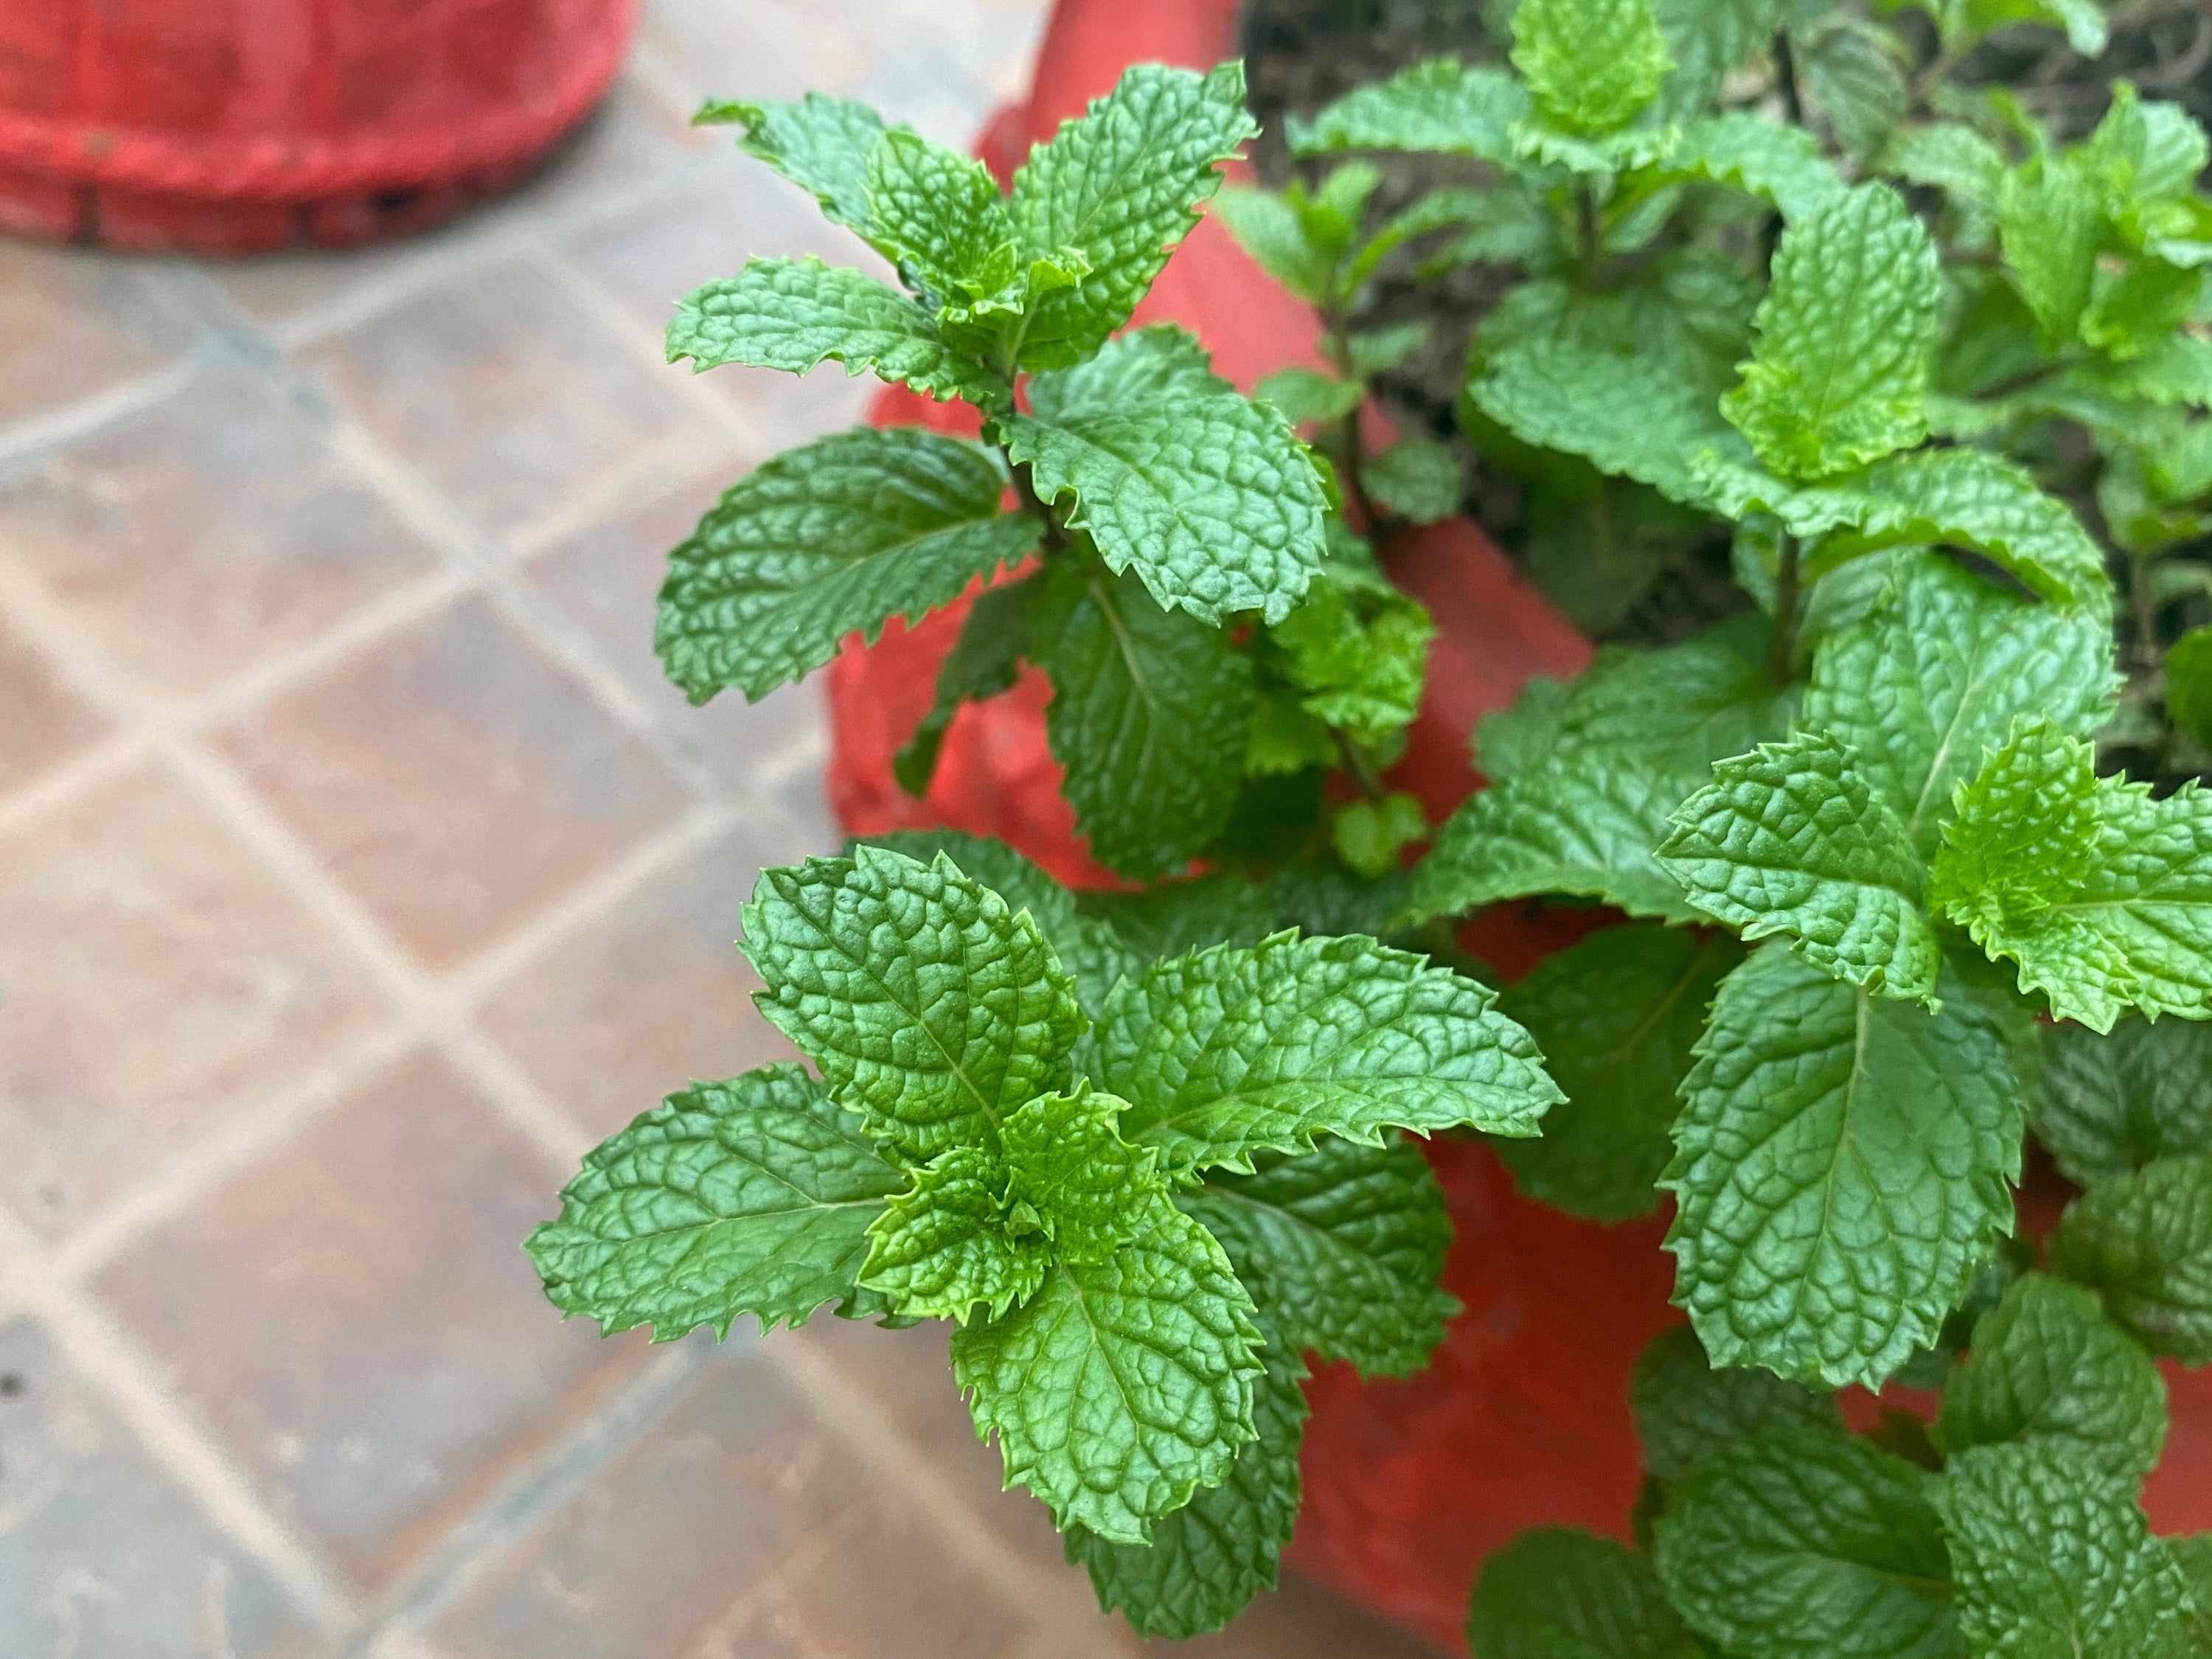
(930, 1005)
(1806, 1544)
(1342, 1246)
(1561, 1593)
(1205, 494)
(836, 537)
(750, 1196)
(2046, 1366)
(2192, 1638)
(2145, 1240)
(1121, 1388)
(1173, 919)
(1683, 707)
(1231, 1052)
(1615, 1015)
(2053, 1558)
(1707, 39)
(1781, 165)
(822, 144)
(2189, 684)
(792, 314)
(943, 1249)
(984, 662)
(1843, 1163)
(1266, 226)
(1848, 73)
(1123, 183)
(1440, 104)
(1844, 336)
(1145, 703)
(2111, 1104)
(1417, 477)
(2050, 221)
(1591, 64)
(1685, 1411)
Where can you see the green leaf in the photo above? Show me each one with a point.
(1266, 226)
(1951, 157)
(1123, 183)
(1233, 1051)
(1937, 676)
(930, 1006)
(1357, 650)
(1592, 65)
(1208, 1559)
(2100, 894)
(2143, 155)
(2145, 1240)
(1806, 1544)
(1561, 1593)
(1342, 1247)
(936, 213)
(1371, 836)
(2082, 20)
(1307, 395)
(2047, 1366)
(1843, 1164)
(2053, 1558)
(833, 537)
(1708, 40)
(1848, 73)
(2111, 1104)
(2050, 223)
(750, 1196)
(1683, 707)
(1417, 477)
(1146, 702)
(1523, 735)
(984, 662)
(2193, 1554)
(1844, 336)
(1780, 165)
(1120, 1388)
(1791, 840)
(1615, 1015)
(943, 1248)
(1206, 495)
(1173, 919)
(1384, 348)
(821, 144)
(2189, 684)
(1685, 1411)
(792, 314)
(2133, 309)
(1440, 104)
(1069, 1164)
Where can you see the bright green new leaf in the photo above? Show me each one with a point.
(1440, 104)
(1145, 703)
(2145, 1241)
(1685, 1411)
(1371, 836)
(1844, 336)
(2141, 304)
(2189, 684)
(1615, 1015)
(1308, 396)
(930, 1006)
(833, 537)
(1066, 1161)
(1951, 157)
(1561, 1593)
(1781, 165)
(1342, 1246)
(1266, 226)
(1843, 1163)
(2047, 1366)
(1592, 65)
(821, 144)
(2144, 156)
(1708, 40)
(1806, 1544)
(1120, 1388)
(936, 213)
(1357, 650)
(750, 1196)
(1209, 496)
(2111, 1104)
(945, 1249)
(984, 662)
(2050, 223)
(2053, 1558)
(1791, 840)
(1416, 477)
(1232, 1051)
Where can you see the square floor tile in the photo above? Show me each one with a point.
(456, 780)
(633, 1004)
(353, 1316)
(102, 1556)
(888, 1585)
(763, 48)
(74, 323)
(503, 391)
(209, 534)
(41, 720)
(155, 982)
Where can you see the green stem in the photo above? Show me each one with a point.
(1782, 644)
(2146, 653)
(1338, 347)
(1356, 767)
(1056, 537)
(1586, 233)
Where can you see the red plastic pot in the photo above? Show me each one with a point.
(1523, 1418)
(236, 126)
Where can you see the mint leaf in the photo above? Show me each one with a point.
(1146, 702)
(821, 144)
(2189, 684)
(1615, 1015)
(1844, 336)
(1417, 477)
(930, 1006)
(1780, 165)
(1358, 651)
(1173, 919)
(2047, 1366)
(943, 1248)
(1842, 1163)
(1086, 1186)
(750, 1196)
(2050, 224)
(2145, 1240)
(1440, 104)
(984, 662)
(1123, 183)
(1307, 396)
(1806, 1544)
(1342, 1247)
(833, 537)
(1936, 677)
(1120, 1388)
(2100, 894)
(1591, 64)
(2193, 1555)
(1707, 39)
(1561, 1593)
(2110, 1104)
(2053, 1558)
(1683, 707)
(1951, 157)
(1232, 1051)
(1208, 1559)
(936, 213)
(1685, 1411)
(1265, 224)
(1523, 736)
(792, 314)
(1791, 840)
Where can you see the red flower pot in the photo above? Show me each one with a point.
(236, 126)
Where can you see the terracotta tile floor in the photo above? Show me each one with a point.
(358, 870)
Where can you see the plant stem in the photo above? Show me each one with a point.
(2146, 615)
(1356, 767)
(1338, 326)
(1793, 105)
(1056, 537)
(1587, 232)
(1782, 644)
